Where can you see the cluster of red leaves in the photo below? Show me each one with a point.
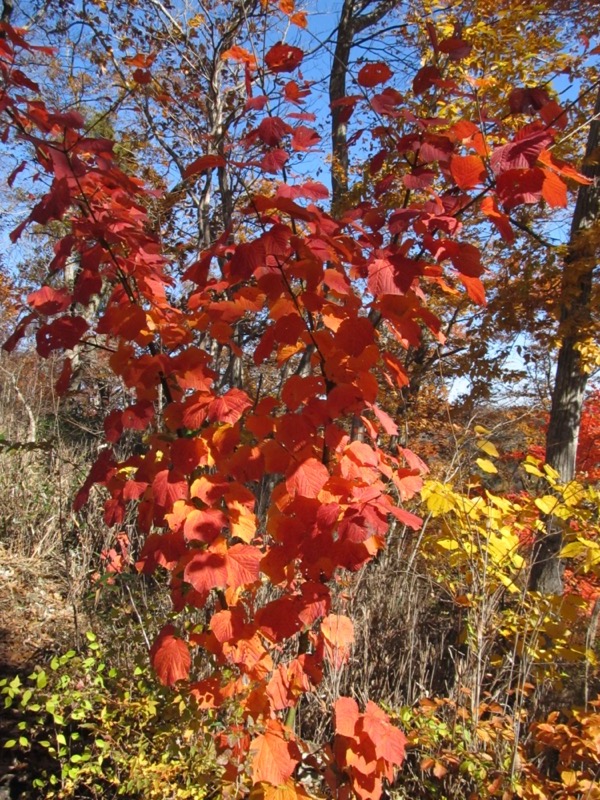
(206, 451)
(367, 747)
(588, 448)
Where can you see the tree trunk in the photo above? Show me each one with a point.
(354, 18)
(571, 375)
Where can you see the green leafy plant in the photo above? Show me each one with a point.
(110, 733)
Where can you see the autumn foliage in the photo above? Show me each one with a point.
(340, 299)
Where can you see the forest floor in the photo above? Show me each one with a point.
(37, 620)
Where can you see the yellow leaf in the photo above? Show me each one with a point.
(573, 549)
(439, 498)
(530, 465)
(489, 448)
(547, 504)
(551, 473)
(486, 465)
(447, 544)
(569, 778)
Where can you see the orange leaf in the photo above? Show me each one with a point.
(240, 54)
(243, 562)
(474, 288)
(554, 190)
(308, 478)
(346, 716)
(467, 171)
(170, 657)
(274, 758)
(562, 168)
(389, 742)
(206, 570)
(489, 206)
(287, 791)
(299, 19)
(338, 631)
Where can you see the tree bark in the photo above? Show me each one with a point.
(354, 18)
(571, 375)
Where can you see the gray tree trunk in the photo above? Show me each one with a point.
(354, 18)
(571, 377)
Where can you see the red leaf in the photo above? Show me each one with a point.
(283, 58)
(170, 657)
(521, 153)
(206, 571)
(167, 488)
(274, 160)
(203, 164)
(50, 301)
(396, 368)
(381, 281)
(354, 335)
(387, 102)
(138, 416)
(299, 19)
(303, 138)
(163, 550)
(419, 178)
(312, 190)
(425, 79)
(387, 423)
(455, 47)
(467, 171)
(272, 130)
(11, 178)
(562, 168)
(246, 258)
(307, 479)
(227, 625)
(204, 525)
(243, 565)
(293, 93)
(554, 115)
(467, 260)
(520, 186)
(62, 334)
(274, 758)
(405, 517)
(142, 76)
(527, 101)
(300, 389)
(229, 407)
(372, 74)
